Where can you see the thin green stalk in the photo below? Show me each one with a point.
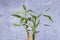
(33, 36)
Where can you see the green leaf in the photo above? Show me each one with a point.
(46, 25)
(38, 23)
(48, 9)
(24, 7)
(33, 16)
(29, 18)
(49, 17)
(18, 16)
(37, 32)
(21, 20)
(15, 24)
(39, 15)
(21, 13)
(30, 11)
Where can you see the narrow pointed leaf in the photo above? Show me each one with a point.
(18, 16)
(21, 13)
(30, 11)
(33, 16)
(39, 15)
(29, 18)
(21, 20)
(37, 32)
(48, 9)
(48, 17)
(46, 25)
(24, 7)
(15, 24)
(38, 23)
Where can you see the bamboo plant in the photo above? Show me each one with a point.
(36, 21)
(24, 20)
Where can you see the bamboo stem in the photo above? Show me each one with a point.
(29, 36)
(33, 36)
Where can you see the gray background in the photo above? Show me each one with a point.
(9, 32)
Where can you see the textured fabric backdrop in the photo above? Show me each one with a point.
(9, 32)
